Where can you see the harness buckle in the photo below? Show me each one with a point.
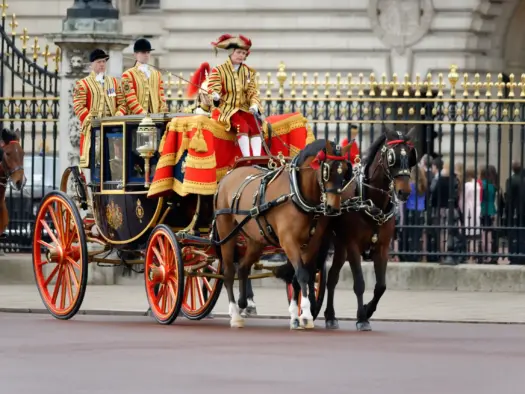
(254, 212)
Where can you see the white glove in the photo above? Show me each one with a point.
(254, 109)
(215, 96)
(200, 111)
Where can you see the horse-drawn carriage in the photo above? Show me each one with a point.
(149, 200)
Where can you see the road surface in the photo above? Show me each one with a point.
(111, 354)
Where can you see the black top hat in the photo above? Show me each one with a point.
(142, 45)
(98, 54)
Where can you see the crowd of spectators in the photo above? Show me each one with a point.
(462, 216)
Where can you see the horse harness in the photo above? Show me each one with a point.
(261, 206)
(360, 203)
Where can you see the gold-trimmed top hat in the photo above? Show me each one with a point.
(227, 41)
(98, 54)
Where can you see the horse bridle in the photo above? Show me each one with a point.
(6, 173)
(320, 161)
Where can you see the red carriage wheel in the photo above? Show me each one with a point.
(61, 275)
(201, 293)
(164, 274)
(320, 287)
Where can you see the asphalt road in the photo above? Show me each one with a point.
(109, 354)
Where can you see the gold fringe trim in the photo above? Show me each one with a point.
(221, 173)
(160, 186)
(178, 188)
(201, 162)
(205, 189)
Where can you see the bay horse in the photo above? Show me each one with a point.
(11, 170)
(368, 222)
(290, 207)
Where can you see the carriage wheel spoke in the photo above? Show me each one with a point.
(74, 276)
(57, 226)
(49, 232)
(172, 285)
(65, 285)
(199, 291)
(160, 260)
(73, 262)
(57, 285)
(207, 284)
(52, 275)
(164, 298)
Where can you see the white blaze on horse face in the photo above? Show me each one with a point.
(236, 319)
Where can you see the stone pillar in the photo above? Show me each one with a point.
(89, 24)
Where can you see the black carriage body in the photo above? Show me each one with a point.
(123, 213)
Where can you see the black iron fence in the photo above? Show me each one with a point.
(29, 104)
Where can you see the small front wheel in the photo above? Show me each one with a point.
(164, 275)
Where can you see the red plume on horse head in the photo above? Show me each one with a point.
(199, 76)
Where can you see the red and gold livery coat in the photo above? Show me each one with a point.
(144, 95)
(237, 89)
(92, 99)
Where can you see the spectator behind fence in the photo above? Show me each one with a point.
(440, 192)
(411, 238)
(471, 204)
(515, 212)
(489, 181)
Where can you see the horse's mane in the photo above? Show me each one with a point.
(8, 135)
(312, 149)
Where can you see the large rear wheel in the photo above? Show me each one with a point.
(164, 275)
(320, 287)
(60, 256)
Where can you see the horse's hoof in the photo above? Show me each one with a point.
(363, 326)
(237, 323)
(294, 324)
(332, 324)
(307, 323)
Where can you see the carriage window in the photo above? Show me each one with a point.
(115, 147)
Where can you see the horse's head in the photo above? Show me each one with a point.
(398, 156)
(332, 164)
(12, 159)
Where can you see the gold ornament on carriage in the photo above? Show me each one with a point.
(114, 215)
(139, 210)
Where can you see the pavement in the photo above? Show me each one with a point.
(396, 305)
(18, 269)
(135, 355)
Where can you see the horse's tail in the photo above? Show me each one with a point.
(324, 249)
(215, 239)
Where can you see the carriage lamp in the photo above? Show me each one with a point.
(147, 144)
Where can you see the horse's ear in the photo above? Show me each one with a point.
(328, 147)
(412, 135)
